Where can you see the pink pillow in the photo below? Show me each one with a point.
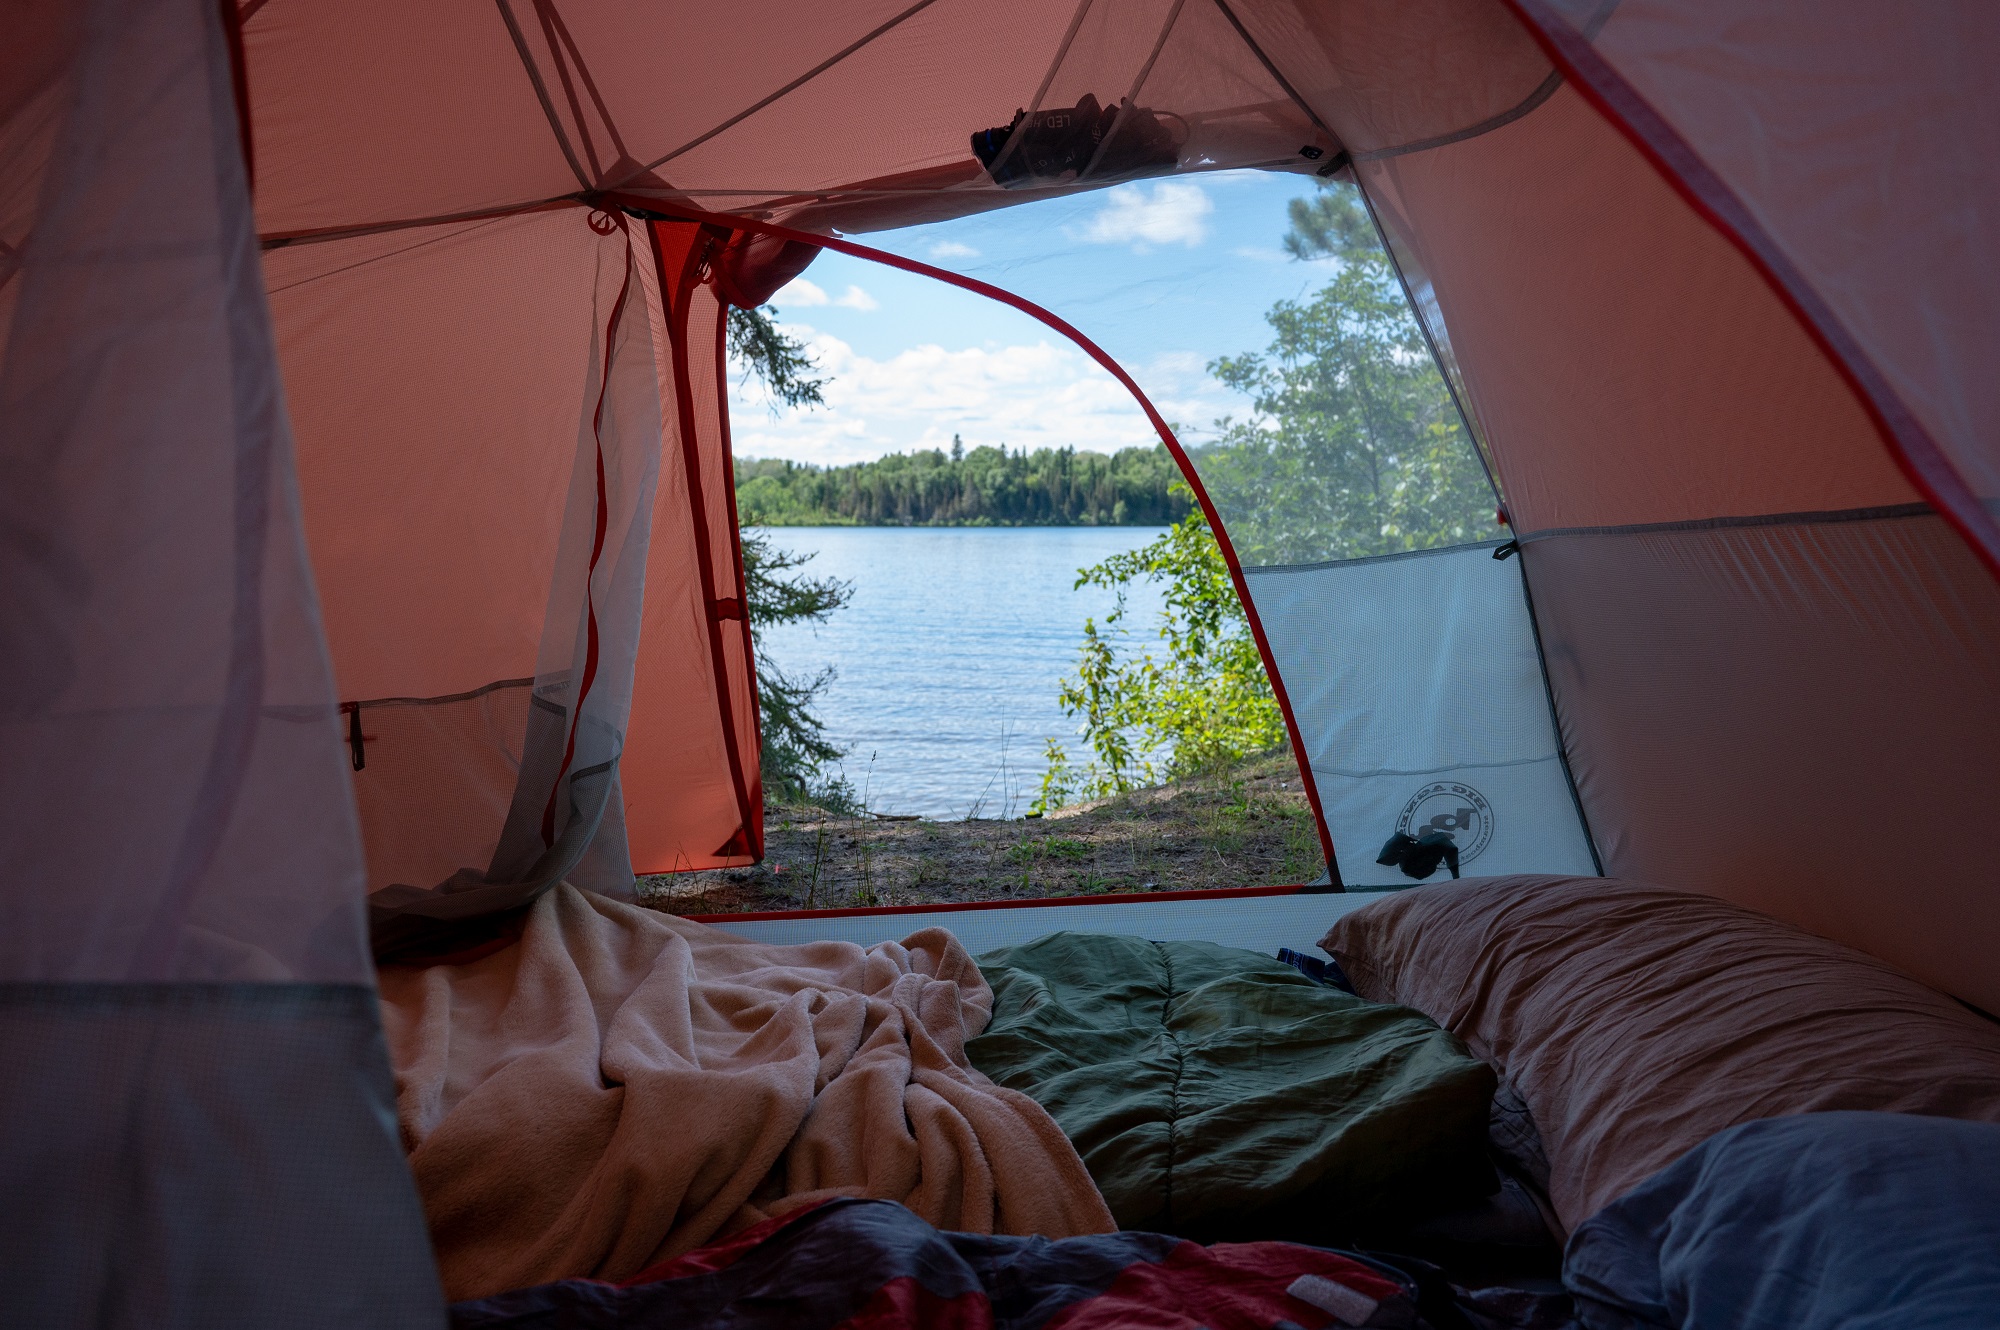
(1637, 1022)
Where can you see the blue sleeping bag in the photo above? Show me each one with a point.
(1829, 1221)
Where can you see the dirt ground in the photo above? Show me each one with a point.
(1249, 827)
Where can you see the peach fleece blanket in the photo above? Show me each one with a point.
(622, 1086)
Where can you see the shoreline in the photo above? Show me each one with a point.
(1248, 826)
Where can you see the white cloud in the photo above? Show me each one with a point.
(1179, 384)
(1175, 213)
(799, 291)
(1180, 364)
(1040, 395)
(1266, 254)
(952, 249)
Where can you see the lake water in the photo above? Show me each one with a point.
(951, 654)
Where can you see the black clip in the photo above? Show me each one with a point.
(1507, 551)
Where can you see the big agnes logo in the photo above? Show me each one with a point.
(1451, 806)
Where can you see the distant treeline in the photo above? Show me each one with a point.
(983, 487)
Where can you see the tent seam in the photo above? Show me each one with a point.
(1321, 565)
(319, 235)
(1014, 141)
(474, 224)
(442, 699)
(1132, 98)
(1429, 771)
(541, 91)
(1472, 430)
(558, 36)
(1555, 720)
(1271, 68)
(1814, 517)
(1543, 91)
(1487, 464)
(789, 88)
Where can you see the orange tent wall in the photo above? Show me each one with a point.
(438, 379)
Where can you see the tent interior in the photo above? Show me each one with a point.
(375, 613)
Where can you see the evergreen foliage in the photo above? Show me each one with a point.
(783, 364)
(984, 486)
(795, 752)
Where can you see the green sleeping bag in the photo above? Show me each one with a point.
(1221, 1095)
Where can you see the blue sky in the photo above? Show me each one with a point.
(1165, 275)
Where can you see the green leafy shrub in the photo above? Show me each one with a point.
(1201, 702)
